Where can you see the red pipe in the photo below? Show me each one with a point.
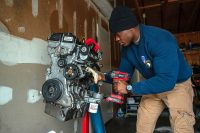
(85, 123)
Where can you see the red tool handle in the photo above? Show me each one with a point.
(115, 99)
(117, 75)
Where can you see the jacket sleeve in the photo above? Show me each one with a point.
(165, 66)
(125, 66)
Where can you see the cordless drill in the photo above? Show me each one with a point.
(119, 76)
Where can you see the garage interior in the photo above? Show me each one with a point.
(25, 27)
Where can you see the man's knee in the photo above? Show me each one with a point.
(146, 120)
(184, 122)
(149, 110)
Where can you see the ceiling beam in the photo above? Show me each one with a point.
(162, 2)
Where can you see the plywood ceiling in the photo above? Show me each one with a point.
(177, 16)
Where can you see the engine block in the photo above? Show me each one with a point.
(66, 89)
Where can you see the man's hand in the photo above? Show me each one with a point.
(96, 75)
(120, 86)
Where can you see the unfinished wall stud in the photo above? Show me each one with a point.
(74, 22)
(35, 8)
(85, 28)
(9, 3)
(93, 28)
(97, 31)
(60, 13)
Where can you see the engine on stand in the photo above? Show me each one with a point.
(66, 89)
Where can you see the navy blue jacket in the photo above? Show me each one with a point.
(158, 59)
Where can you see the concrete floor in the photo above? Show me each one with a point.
(127, 125)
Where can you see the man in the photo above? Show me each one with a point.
(155, 53)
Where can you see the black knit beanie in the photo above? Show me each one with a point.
(122, 18)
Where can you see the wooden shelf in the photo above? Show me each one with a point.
(192, 56)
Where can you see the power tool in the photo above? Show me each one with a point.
(117, 75)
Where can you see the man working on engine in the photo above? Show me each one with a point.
(155, 53)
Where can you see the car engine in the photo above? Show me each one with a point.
(66, 89)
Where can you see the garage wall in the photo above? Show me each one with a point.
(36, 18)
(24, 27)
(104, 44)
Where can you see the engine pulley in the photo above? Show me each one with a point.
(71, 71)
(84, 52)
(61, 62)
(52, 90)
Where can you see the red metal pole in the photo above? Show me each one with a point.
(85, 123)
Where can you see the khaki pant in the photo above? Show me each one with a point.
(179, 101)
